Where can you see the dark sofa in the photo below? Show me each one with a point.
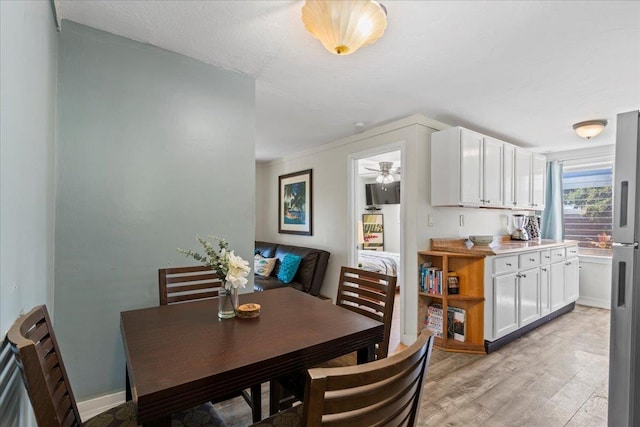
(310, 273)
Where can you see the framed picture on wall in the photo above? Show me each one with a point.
(373, 229)
(295, 203)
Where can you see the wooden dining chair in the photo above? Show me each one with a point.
(34, 344)
(368, 293)
(185, 284)
(385, 392)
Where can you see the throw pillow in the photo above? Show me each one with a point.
(263, 266)
(289, 267)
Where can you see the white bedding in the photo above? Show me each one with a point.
(379, 261)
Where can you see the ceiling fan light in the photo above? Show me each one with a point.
(590, 128)
(379, 179)
(344, 26)
(387, 179)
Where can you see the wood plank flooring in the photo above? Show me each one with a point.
(556, 375)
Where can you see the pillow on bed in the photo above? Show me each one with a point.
(263, 266)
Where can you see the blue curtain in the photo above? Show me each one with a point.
(553, 215)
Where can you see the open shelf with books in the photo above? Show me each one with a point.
(462, 328)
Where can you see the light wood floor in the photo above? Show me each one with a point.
(554, 376)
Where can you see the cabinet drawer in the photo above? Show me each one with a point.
(557, 255)
(528, 260)
(545, 257)
(505, 264)
(572, 252)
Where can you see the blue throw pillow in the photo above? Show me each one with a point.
(289, 267)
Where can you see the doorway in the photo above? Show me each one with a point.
(376, 212)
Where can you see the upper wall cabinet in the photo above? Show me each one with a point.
(471, 169)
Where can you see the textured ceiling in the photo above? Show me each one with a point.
(522, 71)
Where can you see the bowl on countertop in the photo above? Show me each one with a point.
(481, 239)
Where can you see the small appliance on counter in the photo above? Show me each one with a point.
(533, 227)
(520, 222)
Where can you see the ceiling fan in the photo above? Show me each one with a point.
(385, 173)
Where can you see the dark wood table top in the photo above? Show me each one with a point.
(181, 355)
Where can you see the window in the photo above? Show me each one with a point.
(588, 211)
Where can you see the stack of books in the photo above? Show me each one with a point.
(433, 320)
(430, 279)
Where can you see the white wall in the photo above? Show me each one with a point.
(331, 204)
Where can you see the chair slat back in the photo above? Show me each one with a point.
(382, 393)
(182, 284)
(35, 347)
(370, 294)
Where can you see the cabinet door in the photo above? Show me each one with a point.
(571, 277)
(509, 177)
(538, 175)
(470, 168)
(545, 297)
(556, 285)
(505, 304)
(528, 296)
(523, 178)
(492, 172)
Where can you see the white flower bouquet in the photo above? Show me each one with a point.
(231, 268)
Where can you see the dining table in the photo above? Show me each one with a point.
(179, 356)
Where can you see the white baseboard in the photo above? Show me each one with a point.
(92, 407)
(594, 302)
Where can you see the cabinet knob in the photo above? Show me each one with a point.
(544, 269)
(521, 275)
(508, 264)
(488, 201)
(567, 263)
(532, 259)
(547, 256)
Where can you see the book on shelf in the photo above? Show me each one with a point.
(433, 319)
(430, 279)
(456, 325)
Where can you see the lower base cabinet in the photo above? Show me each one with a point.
(528, 290)
(571, 273)
(556, 280)
(545, 290)
(505, 304)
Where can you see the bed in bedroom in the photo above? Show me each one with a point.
(379, 261)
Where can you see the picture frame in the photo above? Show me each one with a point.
(373, 228)
(295, 203)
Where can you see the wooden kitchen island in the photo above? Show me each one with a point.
(507, 289)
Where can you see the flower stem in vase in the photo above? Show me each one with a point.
(227, 302)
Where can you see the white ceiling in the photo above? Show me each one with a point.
(522, 71)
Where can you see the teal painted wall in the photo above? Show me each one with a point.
(28, 57)
(153, 149)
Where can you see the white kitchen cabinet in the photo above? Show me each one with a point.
(505, 304)
(523, 179)
(538, 178)
(528, 296)
(470, 168)
(474, 170)
(556, 285)
(571, 273)
(466, 169)
(545, 282)
(492, 157)
(509, 175)
(545, 300)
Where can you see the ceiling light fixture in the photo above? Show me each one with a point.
(590, 128)
(344, 26)
(385, 176)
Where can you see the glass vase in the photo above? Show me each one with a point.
(227, 302)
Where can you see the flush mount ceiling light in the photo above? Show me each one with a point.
(590, 128)
(344, 26)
